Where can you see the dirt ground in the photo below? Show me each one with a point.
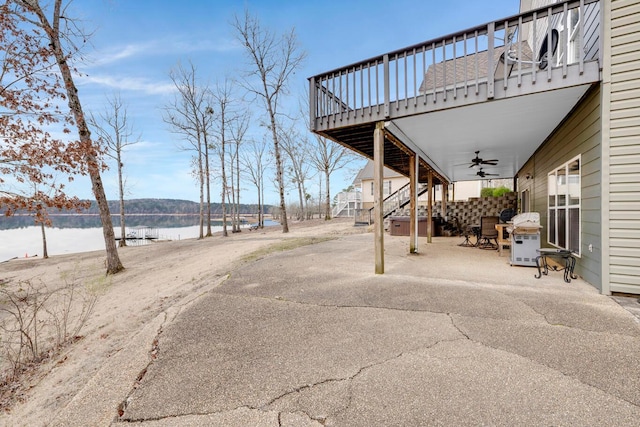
(156, 277)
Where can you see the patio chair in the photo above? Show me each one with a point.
(488, 232)
(466, 232)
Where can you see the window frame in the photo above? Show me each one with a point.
(562, 205)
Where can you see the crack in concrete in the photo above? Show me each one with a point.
(153, 354)
(453, 323)
(169, 315)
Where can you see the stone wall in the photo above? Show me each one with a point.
(470, 211)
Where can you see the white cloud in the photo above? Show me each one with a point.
(167, 46)
(129, 83)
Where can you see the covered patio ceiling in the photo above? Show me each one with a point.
(509, 130)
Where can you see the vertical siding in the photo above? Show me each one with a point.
(579, 134)
(624, 148)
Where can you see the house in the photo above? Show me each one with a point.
(394, 181)
(552, 93)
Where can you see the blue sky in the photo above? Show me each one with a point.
(135, 43)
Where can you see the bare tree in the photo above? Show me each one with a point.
(255, 160)
(222, 96)
(296, 149)
(238, 130)
(115, 133)
(190, 115)
(274, 60)
(56, 34)
(328, 156)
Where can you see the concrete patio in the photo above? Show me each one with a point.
(450, 336)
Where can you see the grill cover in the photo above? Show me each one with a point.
(525, 223)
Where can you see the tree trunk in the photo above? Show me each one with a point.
(45, 254)
(224, 180)
(123, 233)
(232, 198)
(208, 183)
(261, 201)
(93, 162)
(201, 179)
(327, 212)
(238, 182)
(279, 172)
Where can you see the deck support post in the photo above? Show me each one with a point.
(445, 198)
(413, 203)
(378, 175)
(430, 206)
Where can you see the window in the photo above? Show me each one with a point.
(524, 201)
(386, 188)
(564, 194)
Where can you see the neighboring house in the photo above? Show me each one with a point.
(393, 181)
(553, 93)
(347, 203)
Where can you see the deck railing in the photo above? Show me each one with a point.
(534, 46)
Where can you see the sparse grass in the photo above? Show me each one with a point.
(285, 245)
(38, 320)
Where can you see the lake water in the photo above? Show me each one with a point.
(22, 242)
(17, 240)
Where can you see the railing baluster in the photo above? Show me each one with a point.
(397, 94)
(341, 109)
(455, 76)
(490, 66)
(424, 72)
(476, 55)
(369, 85)
(435, 69)
(361, 91)
(581, 36)
(565, 40)
(549, 44)
(415, 77)
(406, 82)
(355, 92)
(444, 68)
(505, 66)
(535, 65)
(313, 89)
(377, 88)
(520, 51)
(466, 79)
(386, 85)
(345, 104)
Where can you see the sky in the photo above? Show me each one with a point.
(135, 43)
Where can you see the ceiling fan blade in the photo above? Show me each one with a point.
(490, 162)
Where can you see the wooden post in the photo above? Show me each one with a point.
(413, 204)
(429, 206)
(445, 198)
(378, 176)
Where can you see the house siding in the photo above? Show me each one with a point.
(579, 134)
(624, 148)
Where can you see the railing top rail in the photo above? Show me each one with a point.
(482, 29)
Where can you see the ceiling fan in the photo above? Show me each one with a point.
(478, 161)
(482, 173)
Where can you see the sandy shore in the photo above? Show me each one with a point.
(158, 277)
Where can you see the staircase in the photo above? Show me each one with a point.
(398, 200)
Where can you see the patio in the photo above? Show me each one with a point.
(449, 336)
